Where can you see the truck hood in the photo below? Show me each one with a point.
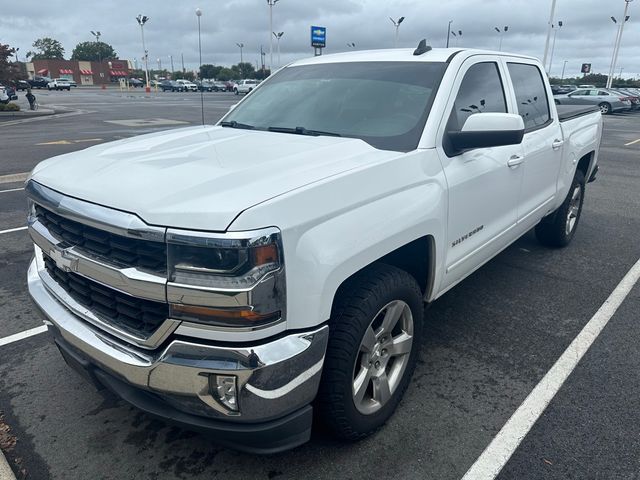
(200, 177)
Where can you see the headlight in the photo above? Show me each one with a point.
(229, 280)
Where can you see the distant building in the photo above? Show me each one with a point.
(84, 73)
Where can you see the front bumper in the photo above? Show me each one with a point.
(276, 380)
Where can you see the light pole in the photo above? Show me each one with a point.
(17, 50)
(620, 75)
(616, 48)
(449, 32)
(397, 25)
(457, 36)
(546, 45)
(351, 44)
(142, 19)
(553, 47)
(271, 3)
(278, 37)
(240, 46)
(171, 61)
(563, 68)
(199, 14)
(501, 32)
(97, 35)
(159, 64)
(182, 57)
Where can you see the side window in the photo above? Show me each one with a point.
(531, 94)
(579, 93)
(602, 93)
(481, 91)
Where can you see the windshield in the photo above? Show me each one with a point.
(386, 104)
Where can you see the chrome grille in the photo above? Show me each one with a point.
(130, 252)
(131, 314)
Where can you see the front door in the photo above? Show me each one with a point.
(483, 188)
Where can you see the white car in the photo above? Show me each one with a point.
(245, 86)
(4, 98)
(59, 84)
(235, 277)
(188, 86)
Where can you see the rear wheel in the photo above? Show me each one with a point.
(376, 330)
(605, 108)
(557, 229)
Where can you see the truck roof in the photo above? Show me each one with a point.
(401, 55)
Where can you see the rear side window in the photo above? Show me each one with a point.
(481, 91)
(531, 94)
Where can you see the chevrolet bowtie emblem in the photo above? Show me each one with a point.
(64, 259)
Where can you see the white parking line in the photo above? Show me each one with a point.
(632, 143)
(495, 456)
(23, 335)
(11, 230)
(11, 190)
(14, 177)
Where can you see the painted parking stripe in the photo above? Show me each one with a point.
(14, 177)
(632, 143)
(22, 335)
(499, 451)
(11, 230)
(12, 190)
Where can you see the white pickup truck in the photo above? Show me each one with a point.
(239, 278)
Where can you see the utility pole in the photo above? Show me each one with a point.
(271, 3)
(546, 45)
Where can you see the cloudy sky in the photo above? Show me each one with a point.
(587, 36)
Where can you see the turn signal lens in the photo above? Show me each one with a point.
(230, 318)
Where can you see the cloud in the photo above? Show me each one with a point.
(587, 35)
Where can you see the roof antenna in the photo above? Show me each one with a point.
(422, 47)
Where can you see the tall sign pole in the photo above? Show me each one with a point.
(549, 28)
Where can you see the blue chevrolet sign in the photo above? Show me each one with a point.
(319, 37)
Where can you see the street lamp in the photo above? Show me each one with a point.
(546, 45)
(616, 48)
(142, 19)
(397, 25)
(278, 37)
(553, 48)
(457, 35)
(159, 64)
(449, 32)
(199, 14)
(351, 44)
(171, 61)
(241, 46)
(17, 50)
(97, 34)
(563, 68)
(271, 3)
(501, 32)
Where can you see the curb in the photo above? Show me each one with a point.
(5, 470)
(27, 113)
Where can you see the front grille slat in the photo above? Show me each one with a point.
(129, 252)
(133, 315)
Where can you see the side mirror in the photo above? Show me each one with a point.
(485, 130)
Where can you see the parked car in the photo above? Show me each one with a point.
(72, 82)
(237, 282)
(59, 84)
(171, 86)
(562, 89)
(607, 100)
(245, 86)
(229, 84)
(187, 85)
(219, 86)
(136, 83)
(633, 97)
(4, 97)
(22, 85)
(39, 82)
(204, 86)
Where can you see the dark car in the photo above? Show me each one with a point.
(135, 82)
(204, 86)
(39, 82)
(22, 85)
(229, 84)
(171, 86)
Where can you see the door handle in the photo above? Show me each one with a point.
(515, 160)
(557, 144)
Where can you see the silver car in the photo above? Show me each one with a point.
(608, 100)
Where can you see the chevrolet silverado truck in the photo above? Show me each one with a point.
(247, 277)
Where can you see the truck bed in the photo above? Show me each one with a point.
(567, 112)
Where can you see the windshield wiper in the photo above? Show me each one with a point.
(234, 124)
(302, 131)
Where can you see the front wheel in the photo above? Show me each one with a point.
(605, 108)
(557, 229)
(376, 330)
(235, 90)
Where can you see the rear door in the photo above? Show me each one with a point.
(483, 189)
(542, 141)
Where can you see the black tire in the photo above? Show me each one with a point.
(554, 230)
(605, 108)
(356, 308)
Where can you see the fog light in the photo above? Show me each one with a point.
(224, 389)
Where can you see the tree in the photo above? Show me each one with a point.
(47, 48)
(209, 71)
(227, 74)
(93, 51)
(9, 71)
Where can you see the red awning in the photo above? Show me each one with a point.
(42, 71)
(66, 71)
(86, 72)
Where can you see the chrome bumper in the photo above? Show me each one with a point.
(273, 378)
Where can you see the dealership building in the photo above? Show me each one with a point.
(84, 73)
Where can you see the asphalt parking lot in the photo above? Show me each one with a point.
(488, 343)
